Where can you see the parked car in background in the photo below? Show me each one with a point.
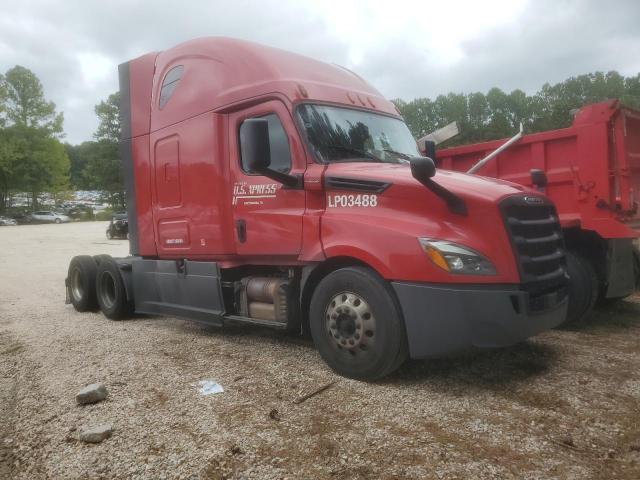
(118, 226)
(49, 217)
(80, 212)
(6, 221)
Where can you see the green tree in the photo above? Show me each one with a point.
(10, 155)
(25, 104)
(108, 113)
(102, 166)
(31, 157)
(497, 114)
(3, 101)
(103, 170)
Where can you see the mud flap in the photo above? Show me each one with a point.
(622, 268)
(636, 266)
(67, 297)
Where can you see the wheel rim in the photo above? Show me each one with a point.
(350, 323)
(107, 290)
(77, 289)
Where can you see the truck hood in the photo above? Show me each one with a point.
(471, 187)
(404, 210)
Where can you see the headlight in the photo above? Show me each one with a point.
(455, 258)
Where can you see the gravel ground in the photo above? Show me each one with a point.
(563, 405)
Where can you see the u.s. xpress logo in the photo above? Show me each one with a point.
(253, 194)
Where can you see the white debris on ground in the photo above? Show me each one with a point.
(209, 387)
(564, 405)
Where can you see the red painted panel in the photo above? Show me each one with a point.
(198, 217)
(593, 167)
(384, 232)
(167, 172)
(221, 73)
(142, 167)
(141, 79)
(271, 213)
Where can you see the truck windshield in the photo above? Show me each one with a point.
(347, 135)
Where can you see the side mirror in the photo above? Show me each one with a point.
(538, 179)
(256, 152)
(430, 149)
(422, 168)
(254, 143)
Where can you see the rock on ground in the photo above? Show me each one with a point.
(96, 392)
(96, 434)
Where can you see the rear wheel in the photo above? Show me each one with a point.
(57, 220)
(110, 290)
(356, 324)
(583, 287)
(109, 235)
(81, 283)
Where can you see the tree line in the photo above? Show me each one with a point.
(34, 159)
(497, 114)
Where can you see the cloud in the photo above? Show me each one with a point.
(404, 48)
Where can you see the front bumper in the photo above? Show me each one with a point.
(441, 319)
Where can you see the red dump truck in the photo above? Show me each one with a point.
(593, 176)
(270, 189)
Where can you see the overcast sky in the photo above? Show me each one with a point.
(405, 49)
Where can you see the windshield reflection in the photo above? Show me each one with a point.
(347, 135)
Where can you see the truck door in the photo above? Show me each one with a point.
(267, 216)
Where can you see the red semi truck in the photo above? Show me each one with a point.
(270, 189)
(593, 177)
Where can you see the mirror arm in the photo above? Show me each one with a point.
(290, 181)
(454, 203)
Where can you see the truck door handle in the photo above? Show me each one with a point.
(241, 228)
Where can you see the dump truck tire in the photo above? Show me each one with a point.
(356, 324)
(110, 290)
(81, 283)
(583, 288)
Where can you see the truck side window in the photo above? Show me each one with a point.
(279, 143)
(169, 84)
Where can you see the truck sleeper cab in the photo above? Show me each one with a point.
(267, 188)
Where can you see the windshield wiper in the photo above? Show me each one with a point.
(404, 156)
(356, 151)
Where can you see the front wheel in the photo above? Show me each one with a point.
(356, 324)
(58, 221)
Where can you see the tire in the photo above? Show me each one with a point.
(356, 324)
(583, 288)
(109, 236)
(98, 258)
(110, 290)
(81, 283)
(58, 221)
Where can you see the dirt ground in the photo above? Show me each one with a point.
(563, 405)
